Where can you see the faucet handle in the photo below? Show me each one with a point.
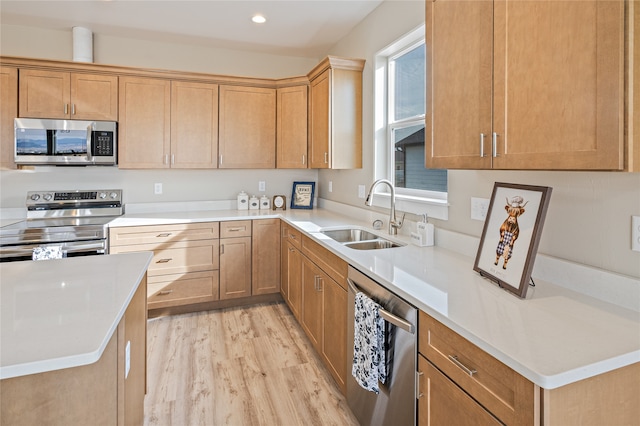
(398, 223)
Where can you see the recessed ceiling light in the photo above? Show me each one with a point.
(259, 19)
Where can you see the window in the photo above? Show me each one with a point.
(400, 124)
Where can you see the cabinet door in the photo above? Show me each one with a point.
(459, 38)
(247, 127)
(45, 94)
(319, 113)
(443, 403)
(235, 268)
(265, 264)
(8, 111)
(294, 280)
(559, 84)
(194, 125)
(144, 126)
(334, 330)
(312, 285)
(94, 97)
(291, 138)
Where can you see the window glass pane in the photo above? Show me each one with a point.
(409, 169)
(409, 84)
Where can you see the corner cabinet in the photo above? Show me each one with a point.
(525, 85)
(247, 120)
(335, 114)
(78, 96)
(292, 127)
(8, 111)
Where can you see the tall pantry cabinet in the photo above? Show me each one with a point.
(525, 84)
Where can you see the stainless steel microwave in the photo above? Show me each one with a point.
(65, 142)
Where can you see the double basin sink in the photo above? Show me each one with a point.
(360, 239)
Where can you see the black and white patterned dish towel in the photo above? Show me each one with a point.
(47, 252)
(369, 364)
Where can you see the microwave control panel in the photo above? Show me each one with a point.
(103, 143)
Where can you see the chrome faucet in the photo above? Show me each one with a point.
(394, 224)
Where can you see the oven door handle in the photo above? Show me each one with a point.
(67, 247)
(386, 315)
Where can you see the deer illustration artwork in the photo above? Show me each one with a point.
(509, 230)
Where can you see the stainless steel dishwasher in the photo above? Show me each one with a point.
(396, 402)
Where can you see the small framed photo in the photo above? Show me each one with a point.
(511, 235)
(302, 195)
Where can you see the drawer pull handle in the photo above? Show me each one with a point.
(235, 229)
(164, 235)
(464, 368)
(418, 393)
(293, 237)
(164, 260)
(164, 292)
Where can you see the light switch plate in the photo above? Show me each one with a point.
(635, 233)
(479, 208)
(361, 189)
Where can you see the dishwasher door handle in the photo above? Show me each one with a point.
(386, 315)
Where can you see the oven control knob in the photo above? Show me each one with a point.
(35, 197)
(114, 195)
(102, 195)
(47, 197)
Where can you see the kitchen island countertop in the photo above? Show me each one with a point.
(554, 337)
(61, 313)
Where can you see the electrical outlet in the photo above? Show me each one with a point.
(330, 186)
(361, 189)
(157, 188)
(479, 208)
(635, 233)
(262, 186)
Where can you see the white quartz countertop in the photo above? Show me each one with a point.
(554, 337)
(61, 313)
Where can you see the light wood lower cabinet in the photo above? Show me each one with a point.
(483, 383)
(317, 296)
(94, 394)
(265, 255)
(184, 268)
(235, 259)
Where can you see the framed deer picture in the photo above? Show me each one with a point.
(511, 234)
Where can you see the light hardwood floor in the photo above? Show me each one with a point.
(238, 366)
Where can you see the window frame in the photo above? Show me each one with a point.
(418, 201)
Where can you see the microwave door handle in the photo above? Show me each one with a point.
(89, 135)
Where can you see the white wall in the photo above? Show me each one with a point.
(589, 218)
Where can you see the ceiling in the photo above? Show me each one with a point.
(305, 28)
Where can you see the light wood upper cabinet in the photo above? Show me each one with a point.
(543, 89)
(144, 139)
(8, 111)
(194, 125)
(56, 94)
(265, 253)
(335, 114)
(291, 128)
(247, 133)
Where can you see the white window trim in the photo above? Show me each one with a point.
(433, 203)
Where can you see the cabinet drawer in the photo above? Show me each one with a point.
(166, 234)
(188, 256)
(502, 391)
(235, 228)
(292, 235)
(333, 265)
(182, 289)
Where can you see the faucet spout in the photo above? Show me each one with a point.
(394, 224)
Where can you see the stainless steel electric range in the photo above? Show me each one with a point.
(76, 221)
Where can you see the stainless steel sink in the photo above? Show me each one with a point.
(349, 235)
(372, 245)
(359, 239)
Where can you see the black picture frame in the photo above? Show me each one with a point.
(302, 195)
(511, 235)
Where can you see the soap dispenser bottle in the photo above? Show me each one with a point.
(425, 232)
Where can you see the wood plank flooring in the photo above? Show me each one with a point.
(238, 366)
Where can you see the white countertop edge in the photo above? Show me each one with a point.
(78, 360)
